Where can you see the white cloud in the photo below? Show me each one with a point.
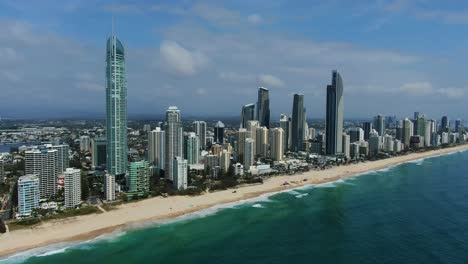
(179, 60)
(236, 77)
(452, 92)
(426, 89)
(417, 88)
(270, 80)
(216, 14)
(8, 54)
(255, 19)
(447, 17)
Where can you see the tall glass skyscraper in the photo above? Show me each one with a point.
(173, 141)
(248, 113)
(334, 118)
(263, 107)
(298, 120)
(116, 107)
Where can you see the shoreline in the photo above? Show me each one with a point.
(82, 228)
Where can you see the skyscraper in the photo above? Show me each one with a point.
(242, 136)
(263, 107)
(261, 142)
(199, 127)
(225, 160)
(346, 146)
(193, 149)
(248, 153)
(247, 114)
(180, 173)
(98, 151)
(85, 143)
(445, 124)
(252, 126)
(63, 160)
(367, 126)
(356, 134)
(379, 124)
(334, 117)
(219, 133)
(156, 147)
(116, 107)
(420, 125)
(173, 141)
(109, 187)
(298, 120)
(72, 187)
(276, 144)
(28, 194)
(43, 162)
(408, 131)
(285, 125)
(458, 126)
(139, 176)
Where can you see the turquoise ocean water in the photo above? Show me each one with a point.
(416, 212)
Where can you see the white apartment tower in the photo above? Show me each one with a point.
(109, 187)
(72, 187)
(180, 173)
(276, 144)
(156, 147)
(44, 163)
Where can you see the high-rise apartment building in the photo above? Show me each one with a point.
(285, 124)
(276, 144)
(72, 185)
(139, 176)
(44, 163)
(109, 187)
(99, 151)
(199, 127)
(85, 144)
(346, 146)
(28, 194)
(249, 153)
(242, 136)
(367, 127)
(173, 141)
(261, 142)
(193, 149)
(156, 147)
(379, 124)
(180, 173)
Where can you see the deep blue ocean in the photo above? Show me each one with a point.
(416, 212)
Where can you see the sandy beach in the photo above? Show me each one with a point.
(90, 226)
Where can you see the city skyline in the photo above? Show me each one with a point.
(201, 72)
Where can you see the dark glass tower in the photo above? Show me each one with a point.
(248, 113)
(116, 108)
(298, 120)
(334, 118)
(219, 132)
(263, 107)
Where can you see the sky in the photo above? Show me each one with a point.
(209, 57)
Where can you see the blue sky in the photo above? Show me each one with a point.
(208, 57)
